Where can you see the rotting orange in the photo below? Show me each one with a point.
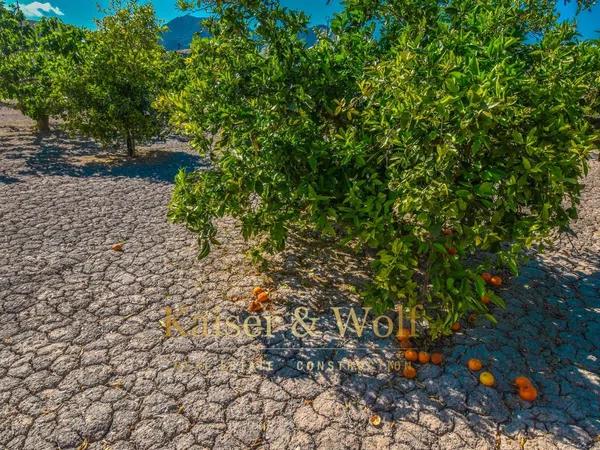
(255, 306)
(455, 326)
(452, 251)
(263, 297)
(485, 299)
(257, 291)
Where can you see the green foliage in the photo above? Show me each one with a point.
(31, 55)
(593, 96)
(123, 68)
(444, 130)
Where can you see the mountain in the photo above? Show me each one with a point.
(312, 35)
(181, 30)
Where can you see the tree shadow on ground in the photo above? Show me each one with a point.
(5, 179)
(548, 332)
(57, 155)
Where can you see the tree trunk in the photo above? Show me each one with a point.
(130, 145)
(43, 124)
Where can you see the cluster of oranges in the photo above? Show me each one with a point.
(411, 355)
(452, 251)
(492, 280)
(260, 298)
(485, 378)
(527, 390)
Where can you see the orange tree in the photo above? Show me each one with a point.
(593, 96)
(108, 96)
(30, 55)
(425, 131)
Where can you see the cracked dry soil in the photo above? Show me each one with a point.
(85, 363)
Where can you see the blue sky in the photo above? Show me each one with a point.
(83, 12)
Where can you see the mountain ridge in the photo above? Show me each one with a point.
(181, 30)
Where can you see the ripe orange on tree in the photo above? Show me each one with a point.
(411, 355)
(486, 276)
(424, 357)
(455, 326)
(474, 364)
(485, 299)
(409, 371)
(496, 281)
(437, 358)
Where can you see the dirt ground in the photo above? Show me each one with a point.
(85, 361)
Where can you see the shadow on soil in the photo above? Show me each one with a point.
(57, 155)
(549, 332)
(5, 179)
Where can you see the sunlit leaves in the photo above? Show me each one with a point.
(444, 130)
(109, 94)
(30, 57)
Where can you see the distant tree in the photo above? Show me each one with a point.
(30, 56)
(109, 96)
(593, 95)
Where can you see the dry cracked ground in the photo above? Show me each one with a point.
(85, 361)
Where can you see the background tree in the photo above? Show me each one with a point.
(593, 96)
(31, 53)
(443, 135)
(109, 95)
